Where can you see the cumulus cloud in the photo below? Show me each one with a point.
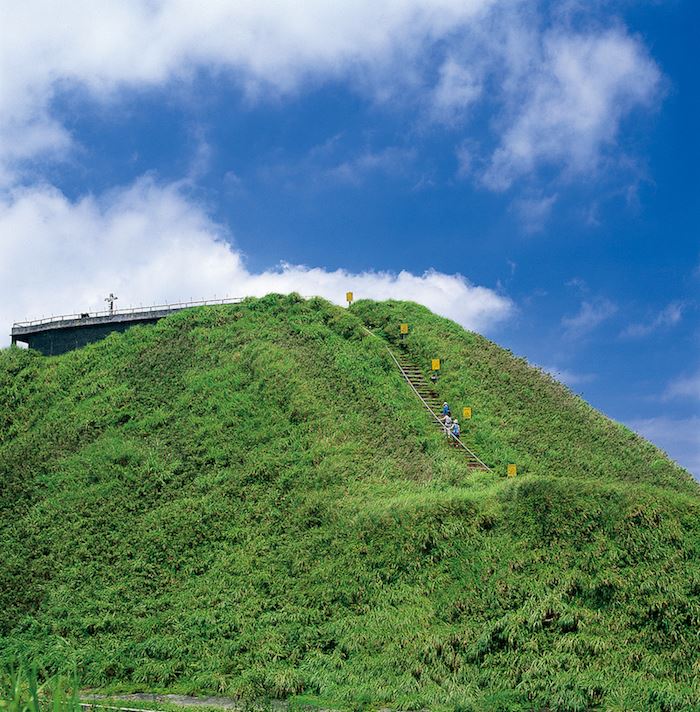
(148, 243)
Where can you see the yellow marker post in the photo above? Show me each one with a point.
(466, 412)
(403, 328)
(348, 297)
(436, 364)
(512, 470)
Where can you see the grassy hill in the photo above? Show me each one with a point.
(248, 500)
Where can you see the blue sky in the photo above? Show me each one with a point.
(528, 169)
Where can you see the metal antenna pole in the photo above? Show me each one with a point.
(111, 299)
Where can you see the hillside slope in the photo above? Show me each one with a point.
(248, 500)
(521, 414)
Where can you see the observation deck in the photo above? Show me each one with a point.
(57, 334)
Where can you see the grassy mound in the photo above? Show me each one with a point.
(248, 500)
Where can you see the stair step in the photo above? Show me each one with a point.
(416, 378)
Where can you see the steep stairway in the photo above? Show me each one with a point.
(432, 403)
(414, 376)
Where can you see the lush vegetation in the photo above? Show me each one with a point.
(520, 414)
(22, 691)
(247, 500)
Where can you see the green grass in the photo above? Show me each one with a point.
(521, 414)
(22, 691)
(248, 501)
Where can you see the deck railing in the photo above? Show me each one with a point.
(125, 312)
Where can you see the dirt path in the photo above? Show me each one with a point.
(107, 702)
(225, 703)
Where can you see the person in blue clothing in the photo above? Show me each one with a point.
(455, 432)
(445, 408)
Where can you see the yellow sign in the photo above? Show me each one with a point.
(512, 470)
(404, 328)
(466, 412)
(348, 297)
(436, 364)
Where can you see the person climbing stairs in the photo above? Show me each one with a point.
(432, 403)
(427, 395)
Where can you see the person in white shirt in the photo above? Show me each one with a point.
(447, 423)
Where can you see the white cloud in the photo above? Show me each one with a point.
(465, 159)
(577, 283)
(148, 243)
(680, 437)
(685, 387)
(560, 97)
(571, 102)
(332, 162)
(389, 161)
(266, 46)
(590, 315)
(669, 316)
(534, 212)
(458, 87)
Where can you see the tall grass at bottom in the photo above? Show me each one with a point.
(21, 691)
